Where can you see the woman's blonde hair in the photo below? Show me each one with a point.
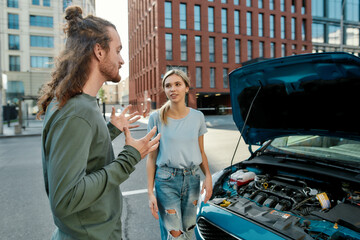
(165, 108)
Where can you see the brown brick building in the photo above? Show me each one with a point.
(208, 39)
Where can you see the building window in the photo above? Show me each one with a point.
(224, 20)
(282, 5)
(211, 20)
(14, 63)
(182, 16)
(41, 62)
(352, 10)
(13, 21)
(260, 3)
(318, 33)
(41, 21)
(41, 41)
(272, 50)
(283, 29)
(293, 7)
(250, 49)
(197, 48)
(225, 50)
(248, 23)
(317, 8)
(212, 77)
(236, 2)
(46, 3)
(168, 46)
(168, 15)
(352, 36)
(303, 30)
(66, 3)
(13, 3)
(272, 26)
(223, 1)
(283, 50)
(237, 51)
(293, 28)
(183, 47)
(211, 49)
(198, 77)
(237, 22)
(271, 4)
(225, 78)
(334, 34)
(248, 3)
(261, 49)
(303, 7)
(14, 42)
(197, 18)
(335, 7)
(261, 24)
(36, 2)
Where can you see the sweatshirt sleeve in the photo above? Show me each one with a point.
(113, 131)
(71, 188)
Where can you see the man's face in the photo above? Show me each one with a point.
(113, 60)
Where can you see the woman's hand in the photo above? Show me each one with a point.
(207, 186)
(153, 205)
(122, 120)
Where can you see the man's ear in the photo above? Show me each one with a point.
(99, 52)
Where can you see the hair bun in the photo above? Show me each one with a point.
(72, 12)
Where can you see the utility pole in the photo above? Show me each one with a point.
(342, 25)
(1, 90)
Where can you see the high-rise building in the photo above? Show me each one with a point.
(31, 36)
(208, 39)
(336, 26)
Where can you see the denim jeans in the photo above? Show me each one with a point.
(177, 192)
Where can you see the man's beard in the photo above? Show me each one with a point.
(107, 69)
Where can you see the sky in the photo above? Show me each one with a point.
(116, 11)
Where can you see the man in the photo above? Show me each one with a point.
(81, 173)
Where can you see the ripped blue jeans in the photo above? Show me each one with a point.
(177, 192)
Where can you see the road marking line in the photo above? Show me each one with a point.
(134, 192)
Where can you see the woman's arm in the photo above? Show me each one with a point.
(207, 184)
(150, 169)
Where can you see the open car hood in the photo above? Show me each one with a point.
(311, 94)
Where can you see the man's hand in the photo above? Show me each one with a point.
(144, 145)
(123, 121)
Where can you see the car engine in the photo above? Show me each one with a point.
(296, 205)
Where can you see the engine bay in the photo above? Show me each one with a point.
(297, 205)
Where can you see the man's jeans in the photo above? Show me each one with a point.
(177, 192)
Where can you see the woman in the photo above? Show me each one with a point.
(174, 167)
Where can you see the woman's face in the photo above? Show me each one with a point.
(175, 88)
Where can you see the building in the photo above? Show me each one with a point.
(31, 35)
(208, 39)
(336, 25)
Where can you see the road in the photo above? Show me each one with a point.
(25, 211)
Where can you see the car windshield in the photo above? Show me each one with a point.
(329, 148)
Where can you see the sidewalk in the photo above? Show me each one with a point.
(34, 127)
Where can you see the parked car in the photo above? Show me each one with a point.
(303, 182)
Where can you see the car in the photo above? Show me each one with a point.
(303, 180)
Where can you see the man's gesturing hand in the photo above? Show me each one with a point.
(144, 145)
(123, 120)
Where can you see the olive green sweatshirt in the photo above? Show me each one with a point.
(81, 173)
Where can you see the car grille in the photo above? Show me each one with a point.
(211, 232)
